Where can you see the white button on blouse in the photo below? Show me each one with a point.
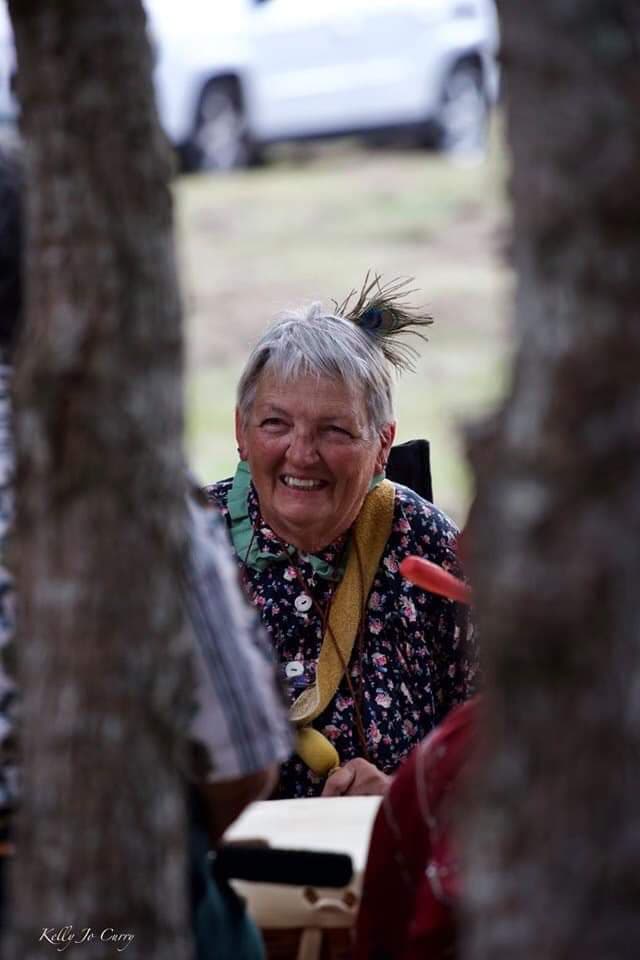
(293, 669)
(302, 603)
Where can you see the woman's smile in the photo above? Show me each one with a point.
(302, 484)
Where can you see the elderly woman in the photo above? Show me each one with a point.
(373, 663)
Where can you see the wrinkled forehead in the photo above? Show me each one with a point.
(313, 394)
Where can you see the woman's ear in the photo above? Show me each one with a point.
(387, 436)
(240, 436)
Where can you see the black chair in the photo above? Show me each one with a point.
(409, 464)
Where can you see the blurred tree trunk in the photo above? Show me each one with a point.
(555, 845)
(101, 838)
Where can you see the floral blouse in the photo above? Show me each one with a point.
(414, 660)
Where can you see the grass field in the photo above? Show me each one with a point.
(308, 227)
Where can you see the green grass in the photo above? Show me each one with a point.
(253, 243)
(210, 397)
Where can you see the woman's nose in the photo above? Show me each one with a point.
(303, 448)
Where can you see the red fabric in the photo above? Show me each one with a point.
(412, 879)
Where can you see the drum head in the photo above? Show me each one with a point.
(327, 825)
(331, 824)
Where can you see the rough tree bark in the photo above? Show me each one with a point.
(103, 668)
(555, 846)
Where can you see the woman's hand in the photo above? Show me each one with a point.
(357, 778)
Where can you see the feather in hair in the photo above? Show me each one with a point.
(382, 311)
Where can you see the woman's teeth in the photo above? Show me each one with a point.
(302, 484)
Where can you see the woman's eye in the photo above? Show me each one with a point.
(272, 422)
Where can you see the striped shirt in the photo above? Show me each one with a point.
(241, 715)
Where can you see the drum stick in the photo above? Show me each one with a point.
(298, 868)
(433, 578)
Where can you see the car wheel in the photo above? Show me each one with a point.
(220, 140)
(463, 117)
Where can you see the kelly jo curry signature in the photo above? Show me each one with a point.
(64, 937)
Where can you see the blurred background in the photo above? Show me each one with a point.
(315, 144)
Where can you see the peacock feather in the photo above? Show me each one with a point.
(383, 312)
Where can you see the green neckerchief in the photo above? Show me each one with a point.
(244, 540)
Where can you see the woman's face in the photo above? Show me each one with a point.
(312, 457)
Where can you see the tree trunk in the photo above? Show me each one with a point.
(554, 850)
(101, 843)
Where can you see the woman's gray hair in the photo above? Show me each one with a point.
(312, 342)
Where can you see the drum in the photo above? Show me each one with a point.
(307, 922)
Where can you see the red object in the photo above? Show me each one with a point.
(431, 577)
(412, 880)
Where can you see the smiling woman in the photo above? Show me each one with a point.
(312, 456)
(373, 663)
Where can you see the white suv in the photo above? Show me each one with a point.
(234, 75)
